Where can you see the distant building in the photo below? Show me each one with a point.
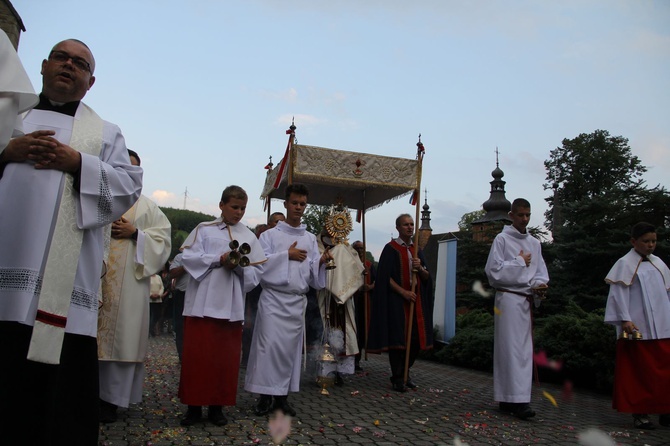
(10, 22)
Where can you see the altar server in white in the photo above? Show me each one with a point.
(294, 264)
(62, 183)
(214, 308)
(639, 300)
(514, 267)
(639, 295)
(139, 248)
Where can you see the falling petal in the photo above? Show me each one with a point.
(478, 288)
(497, 311)
(540, 358)
(595, 437)
(555, 364)
(279, 427)
(551, 399)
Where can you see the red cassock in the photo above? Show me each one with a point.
(642, 376)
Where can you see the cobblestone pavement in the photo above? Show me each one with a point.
(450, 403)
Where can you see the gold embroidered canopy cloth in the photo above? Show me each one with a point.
(360, 180)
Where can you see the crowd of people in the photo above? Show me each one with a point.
(85, 269)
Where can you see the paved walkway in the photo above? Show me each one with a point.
(450, 402)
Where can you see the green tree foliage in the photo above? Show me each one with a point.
(598, 194)
(314, 217)
(587, 167)
(465, 224)
(183, 222)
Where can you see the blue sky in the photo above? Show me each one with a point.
(204, 90)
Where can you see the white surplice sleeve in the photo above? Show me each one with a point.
(16, 92)
(109, 185)
(155, 242)
(617, 308)
(199, 258)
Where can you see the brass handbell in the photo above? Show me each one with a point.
(237, 255)
(245, 249)
(234, 258)
(635, 336)
(540, 292)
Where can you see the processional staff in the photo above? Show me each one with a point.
(415, 273)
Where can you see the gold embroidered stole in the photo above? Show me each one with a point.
(112, 285)
(63, 256)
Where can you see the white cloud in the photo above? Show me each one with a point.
(164, 198)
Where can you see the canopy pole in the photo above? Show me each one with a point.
(291, 155)
(268, 206)
(366, 293)
(415, 273)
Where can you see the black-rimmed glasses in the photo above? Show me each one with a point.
(78, 62)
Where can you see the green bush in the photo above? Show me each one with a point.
(584, 343)
(581, 340)
(472, 346)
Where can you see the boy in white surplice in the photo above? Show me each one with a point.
(293, 266)
(514, 267)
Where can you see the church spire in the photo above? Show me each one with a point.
(425, 214)
(497, 206)
(425, 231)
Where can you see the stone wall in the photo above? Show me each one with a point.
(10, 22)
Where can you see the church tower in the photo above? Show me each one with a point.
(497, 208)
(425, 231)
